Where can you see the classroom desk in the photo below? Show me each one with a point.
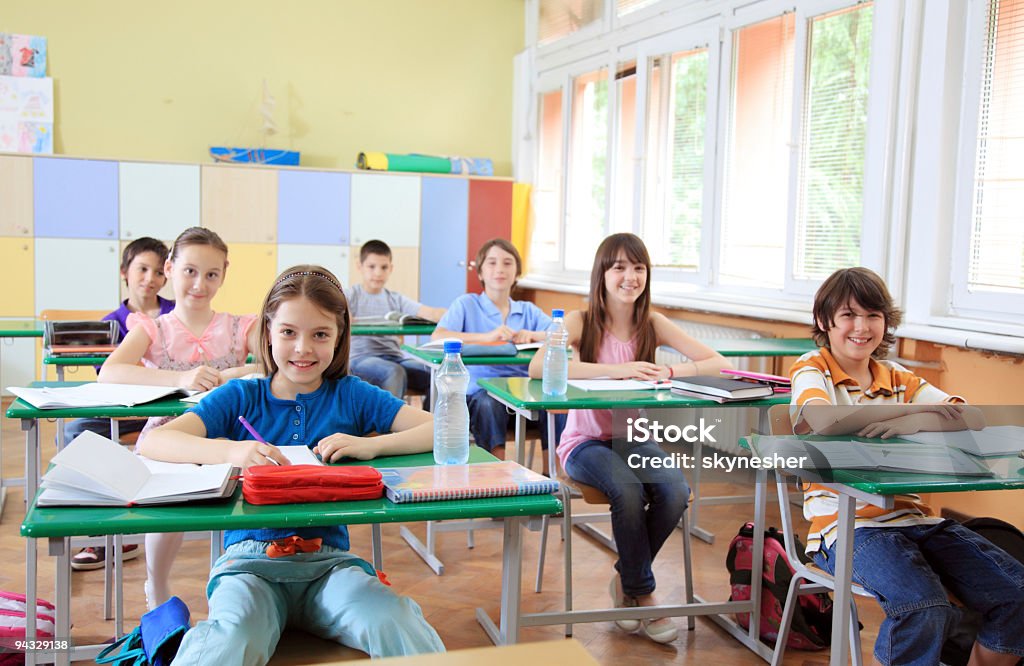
(432, 359)
(767, 347)
(525, 398)
(29, 417)
(880, 489)
(62, 362)
(392, 329)
(10, 329)
(57, 525)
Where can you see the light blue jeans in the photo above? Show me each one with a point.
(330, 593)
(908, 570)
(394, 374)
(646, 504)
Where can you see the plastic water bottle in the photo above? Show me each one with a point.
(451, 415)
(556, 358)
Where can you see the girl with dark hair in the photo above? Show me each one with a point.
(616, 337)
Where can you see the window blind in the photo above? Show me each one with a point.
(623, 7)
(547, 195)
(831, 172)
(560, 18)
(588, 147)
(673, 213)
(752, 250)
(996, 262)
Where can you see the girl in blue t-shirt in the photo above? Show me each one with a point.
(268, 578)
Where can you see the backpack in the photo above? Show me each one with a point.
(13, 624)
(956, 651)
(811, 628)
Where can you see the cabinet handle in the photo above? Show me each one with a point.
(462, 263)
(110, 232)
(127, 234)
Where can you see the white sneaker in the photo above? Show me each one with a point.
(662, 630)
(619, 601)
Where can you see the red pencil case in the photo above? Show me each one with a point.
(291, 484)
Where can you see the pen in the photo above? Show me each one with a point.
(259, 438)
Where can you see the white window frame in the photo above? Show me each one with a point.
(1006, 308)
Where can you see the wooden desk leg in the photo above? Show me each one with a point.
(843, 581)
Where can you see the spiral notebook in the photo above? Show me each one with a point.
(470, 481)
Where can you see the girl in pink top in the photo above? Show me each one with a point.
(617, 337)
(191, 347)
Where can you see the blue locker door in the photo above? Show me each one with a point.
(443, 237)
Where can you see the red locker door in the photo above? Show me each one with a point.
(490, 216)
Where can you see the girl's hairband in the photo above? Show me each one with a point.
(316, 273)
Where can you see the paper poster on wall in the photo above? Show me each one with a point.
(26, 115)
(22, 55)
(26, 138)
(26, 99)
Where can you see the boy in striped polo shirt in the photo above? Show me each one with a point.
(904, 555)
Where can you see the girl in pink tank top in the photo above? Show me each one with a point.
(192, 347)
(616, 337)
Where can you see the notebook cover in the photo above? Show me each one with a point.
(446, 482)
(722, 386)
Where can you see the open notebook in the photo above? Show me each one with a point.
(95, 471)
(95, 394)
(896, 456)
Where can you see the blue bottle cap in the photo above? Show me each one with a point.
(557, 312)
(453, 347)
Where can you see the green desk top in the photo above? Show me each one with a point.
(74, 360)
(236, 514)
(1008, 474)
(21, 328)
(762, 346)
(391, 329)
(524, 393)
(435, 357)
(19, 409)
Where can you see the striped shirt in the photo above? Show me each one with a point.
(818, 378)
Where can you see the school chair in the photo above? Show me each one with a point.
(806, 579)
(569, 488)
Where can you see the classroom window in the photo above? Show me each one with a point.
(547, 193)
(587, 183)
(673, 211)
(561, 18)
(623, 184)
(752, 250)
(831, 172)
(994, 276)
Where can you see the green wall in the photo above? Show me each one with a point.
(164, 81)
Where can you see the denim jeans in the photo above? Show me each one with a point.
(909, 569)
(329, 593)
(488, 422)
(646, 504)
(394, 374)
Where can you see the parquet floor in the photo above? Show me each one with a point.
(472, 578)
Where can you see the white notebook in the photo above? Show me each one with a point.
(95, 471)
(95, 394)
